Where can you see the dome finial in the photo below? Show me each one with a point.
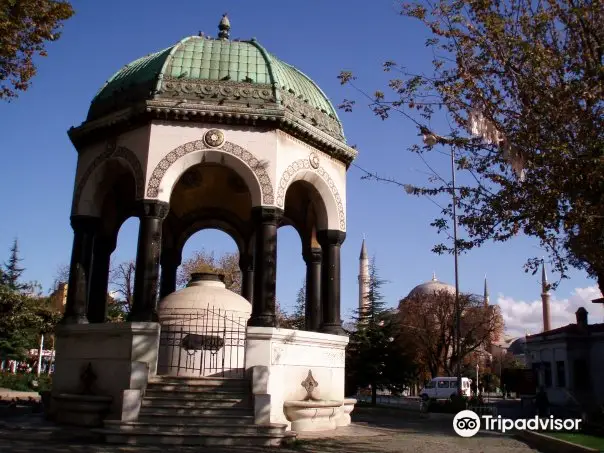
(434, 277)
(224, 27)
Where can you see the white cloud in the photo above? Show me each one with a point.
(522, 317)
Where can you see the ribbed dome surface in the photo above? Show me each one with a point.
(223, 62)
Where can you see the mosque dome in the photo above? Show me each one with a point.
(517, 347)
(221, 79)
(431, 287)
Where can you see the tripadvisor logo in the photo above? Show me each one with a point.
(467, 423)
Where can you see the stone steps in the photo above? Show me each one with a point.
(204, 394)
(143, 437)
(195, 411)
(195, 428)
(198, 403)
(226, 417)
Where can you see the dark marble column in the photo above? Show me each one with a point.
(313, 314)
(99, 279)
(246, 266)
(78, 290)
(330, 241)
(265, 221)
(169, 269)
(151, 214)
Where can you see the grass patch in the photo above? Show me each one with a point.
(584, 440)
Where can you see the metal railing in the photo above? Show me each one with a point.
(202, 343)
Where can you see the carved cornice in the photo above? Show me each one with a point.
(231, 103)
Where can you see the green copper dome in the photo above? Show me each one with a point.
(233, 76)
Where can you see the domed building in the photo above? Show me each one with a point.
(431, 287)
(209, 132)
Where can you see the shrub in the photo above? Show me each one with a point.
(25, 382)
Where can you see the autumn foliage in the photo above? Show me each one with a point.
(516, 92)
(429, 322)
(25, 28)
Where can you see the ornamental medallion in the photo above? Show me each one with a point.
(314, 160)
(214, 138)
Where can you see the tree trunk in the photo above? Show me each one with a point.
(373, 394)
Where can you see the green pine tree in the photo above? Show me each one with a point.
(12, 271)
(297, 319)
(376, 354)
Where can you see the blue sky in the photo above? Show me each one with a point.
(321, 38)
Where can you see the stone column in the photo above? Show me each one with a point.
(84, 228)
(99, 279)
(151, 215)
(331, 241)
(265, 221)
(169, 269)
(313, 315)
(246, 266)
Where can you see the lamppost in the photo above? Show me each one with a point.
(455, 254)
(477, 380)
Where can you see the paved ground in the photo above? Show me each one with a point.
(372, 432)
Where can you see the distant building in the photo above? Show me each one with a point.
(58, 298)
(568, 362)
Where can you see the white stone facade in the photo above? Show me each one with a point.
(279, 360)
(269, 161)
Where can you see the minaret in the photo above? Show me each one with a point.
(545, 296)
(486, 292)
(363, 277)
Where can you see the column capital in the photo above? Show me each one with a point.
(151, 208)
(312, 255)
(85, 223)
(267, 214)
(331, 237)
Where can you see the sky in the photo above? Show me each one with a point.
(320, 38)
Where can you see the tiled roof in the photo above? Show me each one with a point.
(201, 58)
(569, 329)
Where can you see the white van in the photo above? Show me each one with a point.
(444, 388)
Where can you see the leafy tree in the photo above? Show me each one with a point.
(122, 282)
(429, 321)
(376, 353)
(520, 83)
(25, 27)
(22, 319)
(297, 319)
(204, 261)
(61, 276)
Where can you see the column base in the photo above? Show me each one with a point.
(333, 329)
(74, 319)
(262, 321)
(144, 316)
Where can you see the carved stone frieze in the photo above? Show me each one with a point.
(317, 118)
(220, 91)
(250, 160)
(302, 355)
(112, 151)
(305, 164)
(215, 89)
